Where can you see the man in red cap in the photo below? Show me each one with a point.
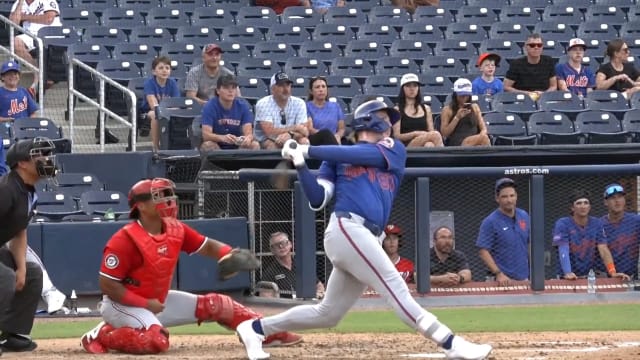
(391, 245)
(202, 79)
(137, 267)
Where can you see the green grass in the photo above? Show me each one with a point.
(487, 319)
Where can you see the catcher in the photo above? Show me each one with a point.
(136, 271)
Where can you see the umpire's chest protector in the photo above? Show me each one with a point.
(159, 258)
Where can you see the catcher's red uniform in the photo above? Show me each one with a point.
(406, 269)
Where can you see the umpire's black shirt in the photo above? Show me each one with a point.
(14, 206)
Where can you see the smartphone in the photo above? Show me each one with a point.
(467, 105)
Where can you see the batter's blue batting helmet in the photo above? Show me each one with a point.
(365, 117)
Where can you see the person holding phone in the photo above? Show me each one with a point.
(462, 122)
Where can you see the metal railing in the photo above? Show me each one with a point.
(12, 53)
(99, 105)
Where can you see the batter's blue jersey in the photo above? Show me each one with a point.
(367, 191)
(623, 239)
(507, 240)
(582, 241)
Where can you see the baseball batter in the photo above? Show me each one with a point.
(137, 267)
(365, 179)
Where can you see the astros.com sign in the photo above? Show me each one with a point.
(526, 171)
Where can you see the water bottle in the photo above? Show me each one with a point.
(73, 303)
(591, 282)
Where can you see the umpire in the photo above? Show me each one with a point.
(20, 281)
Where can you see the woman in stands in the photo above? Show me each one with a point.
(326, 119)
(462, 122)
(415, 128)
(618, 74)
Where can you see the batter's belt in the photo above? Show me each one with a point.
(375, 229)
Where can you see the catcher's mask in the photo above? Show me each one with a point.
(159, 190)
(40, 149)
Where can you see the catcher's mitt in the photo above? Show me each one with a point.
(235, 261)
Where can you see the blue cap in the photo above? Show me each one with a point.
(503, 183)
(9, 66)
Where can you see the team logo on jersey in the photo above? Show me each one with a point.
(387, 142)
(111, 261)
(163, 250)
(53, 5)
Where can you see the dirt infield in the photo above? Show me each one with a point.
(511, 346)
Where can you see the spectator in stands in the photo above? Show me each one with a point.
(227, 122)
(462, 122)
(201, 79)
(15, 101)
(415, 128)
(618, 74)
(33, 15)
(280, 116)
(622, 231)
(157, 87)
(322, 6)
(326, 119)
(487, 84)
(279, 5)
(391, 245)
(577, 237)
(280, 268)
(503, 239)
(573, 76)
(449, 267)
(534, 73)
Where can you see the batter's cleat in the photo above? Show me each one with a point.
(252, 341)
(282, 339)
(462, 349)
(90, 342)
(55, 300)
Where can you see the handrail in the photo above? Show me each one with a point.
(12, 53)
(100, 105)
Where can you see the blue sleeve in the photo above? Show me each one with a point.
(560, 234)
(32, 105)
(327, 171)
(485, 235)
(565, 259)
(558, 70)
(313, 190)
(208, 113)
(246, 117)
(149, 87)
(387, 153)
(174, 91)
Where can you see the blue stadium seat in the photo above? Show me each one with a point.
(389, 15)
(199, 35)
(607, 100)
(252, 88)
(422, 32)
(5, 135)
(623, 4)
(308, 18)
(182, 50)
(594, 55)
(305, 67)
(175, 119)
(184, 5)
(596, 30)
(121, 71)
(279, 51)
(519, 14)
(507, 129)
(538, 5)
(287, 33)
(509, 31)
(141, 54)
(122, 18)
(568, 14)
(104, 36)
(75, 184)
(168, 18)
(365, 49)
(32, 127)
(57, 40)
(470, 32)
(391, 65)
(94, 202)
(79, 18)
(459, 49)
(263, 68)
(436, 85)
(300, 85)
(448, 66)
(553, 48)
(630, 29)
(507, 49)
(333, 33)
(94, 4)
(321, 50)
(343, 86)
(631, 123)
(387, 85)
(479, 15)
(434, 103)
(137, 86)
(151, 36)
(431, 15)
(553, 129)
(601, 127)
(248, 35)
(234, 52)
(412, 49)
(141, 5)
(453, 5)
(605, 14)
(257, 16)
(561, 101)
(208, 17)
(89, 54)
(634, 13)
(381, 33)
(554, 30)
(346, 15)
(358, 68)
(364, 5)
(511, 102)
(56, 205)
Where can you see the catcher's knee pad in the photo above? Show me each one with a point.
(128, 340)
(223, 309)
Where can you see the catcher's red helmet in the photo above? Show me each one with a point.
(160, 190)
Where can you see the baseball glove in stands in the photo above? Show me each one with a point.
(235, 261)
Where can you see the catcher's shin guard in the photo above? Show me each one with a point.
(128, 340)
(223, 309)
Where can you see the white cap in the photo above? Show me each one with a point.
(410, 78)
(462, 86)
(576, 42)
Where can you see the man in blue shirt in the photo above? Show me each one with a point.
(503, 238)
(622, 230)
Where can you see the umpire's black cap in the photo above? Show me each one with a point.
(21, 150)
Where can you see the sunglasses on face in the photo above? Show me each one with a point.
(283, 118)
(625, 49)
(615, 189)
(535, 45)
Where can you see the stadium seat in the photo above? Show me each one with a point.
(32, 127)
(607, 100)
(56, 41)
(349, 66)
(561, 101)
(104, 36)
(122, 18)
(95, 202)
(321, 50)
(256, 16)
(364, 5)
(287, 33)
(300, 85)
(630, 29)
(507, 49)
(601, 127)
(168, 18)
(596, 30)
(434, 103)
(422, 32)
(141, 54)
(137, 86)
(507, 129)
(141, 5)
(389, 15)
(213, 18)
(623, 4)
(554, 30)
(360, 99)
(334, 33)
(525, 15)
(247, 35)
(175, 118)
(305, 67)
(453, 5)
(448, 66)
(252, 88)
(568, 14)
(511, 102)
(399, 66)
(381, 33)
(181, 50)
(605, 14)
(508, 32)
(199, 35)
(459, 49)
(553, 48)
(553, 129)
(79, 18)
(302, 16)
(343, 104)
(387, 85)
(56, 205)
(633, 14)
(263, 68)
(435, 84)
(95, 4)
(538, 5)
(75, 184)
(479, 15)
(5, 135)
(121, 71)
(595, 53)
(185, 5)
(343, 86)
(346, 16)
(631, 124)
(415, 50)
(89, 54)
(278, 51)
(470, 32)
(365, 49)
(431, 15)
